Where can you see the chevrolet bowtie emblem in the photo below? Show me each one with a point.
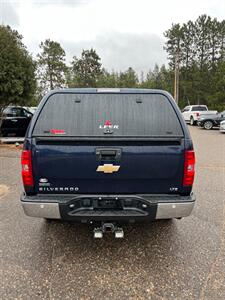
(108, 168)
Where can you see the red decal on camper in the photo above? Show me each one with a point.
(108, 123)
(57, 131)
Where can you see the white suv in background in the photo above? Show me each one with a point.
(191, 113)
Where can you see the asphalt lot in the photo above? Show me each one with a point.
(182, 259)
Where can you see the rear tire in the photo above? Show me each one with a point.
(192, 121)
(208, 125)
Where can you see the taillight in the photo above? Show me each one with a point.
(197, 114)
(189, 168)
(26, 162)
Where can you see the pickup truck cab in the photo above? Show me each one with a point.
(108, 155)
(191, 113)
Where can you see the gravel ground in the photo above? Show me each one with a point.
(182, 259)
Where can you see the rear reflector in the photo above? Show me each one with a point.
(189, 168)
(26, 162)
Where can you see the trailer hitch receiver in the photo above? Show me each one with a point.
(107, 228)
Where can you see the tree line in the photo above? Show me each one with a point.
(196, 53)
(197, 50)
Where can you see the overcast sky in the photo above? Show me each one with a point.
(124, 32)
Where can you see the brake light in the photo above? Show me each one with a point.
(26, 162)
(189, 168)
(197, 114)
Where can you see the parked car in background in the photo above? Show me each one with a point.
(191, 113)
(210, 121)
(222, 126)
(14, 121)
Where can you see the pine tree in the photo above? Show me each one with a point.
(86, 71)
(128, 79)
(52, 68)
(174, 37)
(202, 40)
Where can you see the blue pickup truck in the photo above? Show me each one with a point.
(108, 156)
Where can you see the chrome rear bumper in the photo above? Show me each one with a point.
(155, 208)
(174, 210)
(41, 210)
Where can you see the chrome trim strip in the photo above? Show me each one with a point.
(41, 210)
(174, 210)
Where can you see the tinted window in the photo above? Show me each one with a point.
(186, 109)
(129, 115)
(199, 108)
(14, 112)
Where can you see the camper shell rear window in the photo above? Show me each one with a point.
(114, 115)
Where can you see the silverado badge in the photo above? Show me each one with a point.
(108, 168)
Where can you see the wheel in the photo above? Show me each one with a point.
(208, 125)
(192, 121)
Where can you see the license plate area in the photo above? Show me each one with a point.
(107, 203)
(108, 207)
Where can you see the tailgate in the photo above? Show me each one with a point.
(147, 167)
